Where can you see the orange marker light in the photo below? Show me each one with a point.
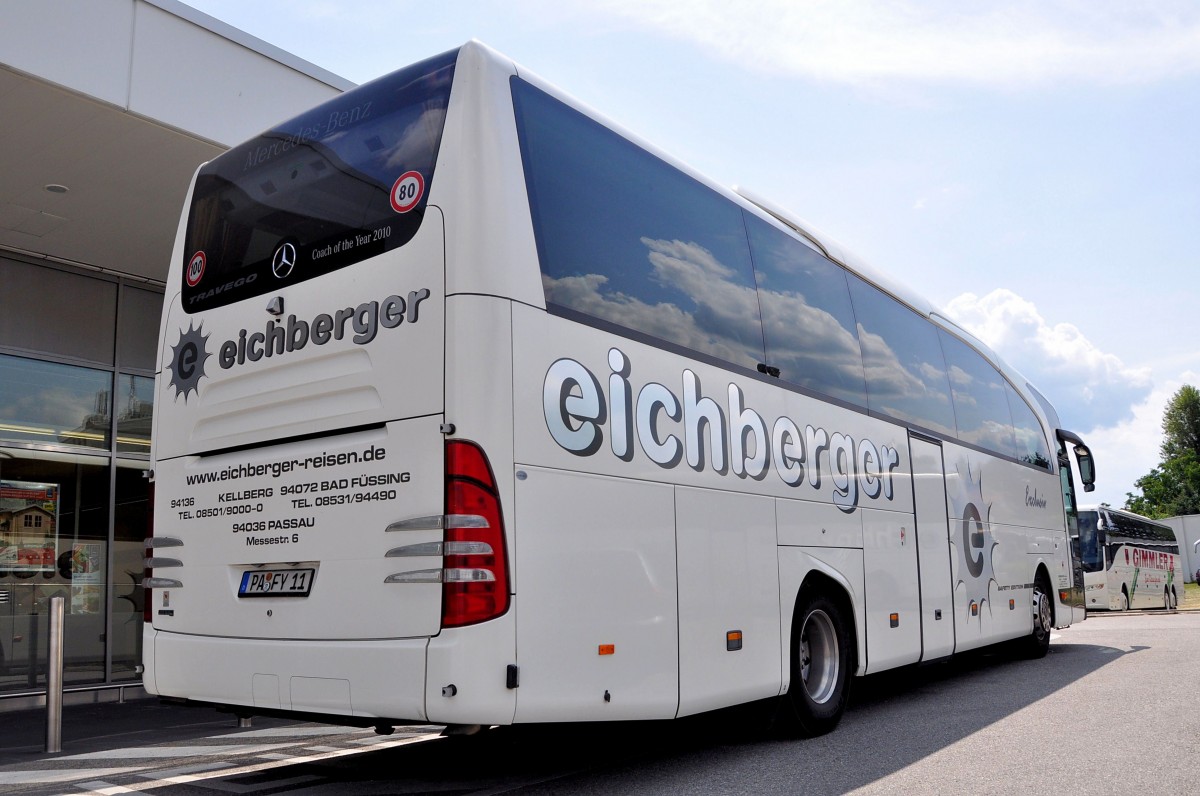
(608, 649)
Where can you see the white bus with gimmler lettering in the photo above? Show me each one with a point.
(1129, 561)
(476, 409)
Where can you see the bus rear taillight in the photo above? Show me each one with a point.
(475, 577)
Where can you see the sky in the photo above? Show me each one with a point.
(1032, 168)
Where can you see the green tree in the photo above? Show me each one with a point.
(1173, 488)
(1169, 490)
(1181, 423)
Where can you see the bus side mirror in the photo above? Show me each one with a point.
(1087, 468)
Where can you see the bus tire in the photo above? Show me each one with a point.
(821, 662)
(1037, 643)
(1123, 604)
(1174, 599)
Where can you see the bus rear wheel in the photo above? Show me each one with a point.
(1123, 601)
(821, 656)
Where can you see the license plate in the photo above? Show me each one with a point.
(276, 583)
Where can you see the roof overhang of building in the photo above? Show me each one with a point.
(110, 106)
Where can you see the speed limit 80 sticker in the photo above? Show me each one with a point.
(407, 191)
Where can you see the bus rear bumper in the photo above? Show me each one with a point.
(384, 679)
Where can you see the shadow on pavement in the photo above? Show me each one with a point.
(894, 720)
(104, 726)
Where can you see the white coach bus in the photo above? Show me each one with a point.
(475, 409)
(1129, 561)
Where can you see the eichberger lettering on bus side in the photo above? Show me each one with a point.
(578, 410)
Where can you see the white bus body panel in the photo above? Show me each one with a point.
(598, 629)
(728, 581)
(1097, 591)
(892, 587)
(481, 189)
(344, 678)
(473, 659)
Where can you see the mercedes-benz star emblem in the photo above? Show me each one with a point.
(284, 261)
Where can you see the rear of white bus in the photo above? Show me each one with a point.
(315, 524)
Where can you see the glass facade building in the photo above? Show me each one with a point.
(77, 355)
(99, 146)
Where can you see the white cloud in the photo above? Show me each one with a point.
(870, 42)
(716, 302)
(1116, 408)
(1088, 387)
(1130, 449)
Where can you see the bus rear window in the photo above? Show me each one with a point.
(334, 186)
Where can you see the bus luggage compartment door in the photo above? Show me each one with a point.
(597, 629)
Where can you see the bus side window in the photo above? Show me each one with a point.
(625, 237)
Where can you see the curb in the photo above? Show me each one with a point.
(1145, 612)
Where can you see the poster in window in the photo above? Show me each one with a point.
(28, 527)
(87, 563)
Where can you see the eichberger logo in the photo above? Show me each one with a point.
(187, 361)
(361, 324)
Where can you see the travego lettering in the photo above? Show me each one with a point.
(225, 288)
(670, 430)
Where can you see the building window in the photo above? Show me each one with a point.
(51, 404)
(135, 413)
(74, 502)
(61, 550)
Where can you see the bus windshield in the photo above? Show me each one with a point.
(334, 186)
(1091, 542)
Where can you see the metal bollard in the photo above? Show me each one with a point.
(54, 677)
